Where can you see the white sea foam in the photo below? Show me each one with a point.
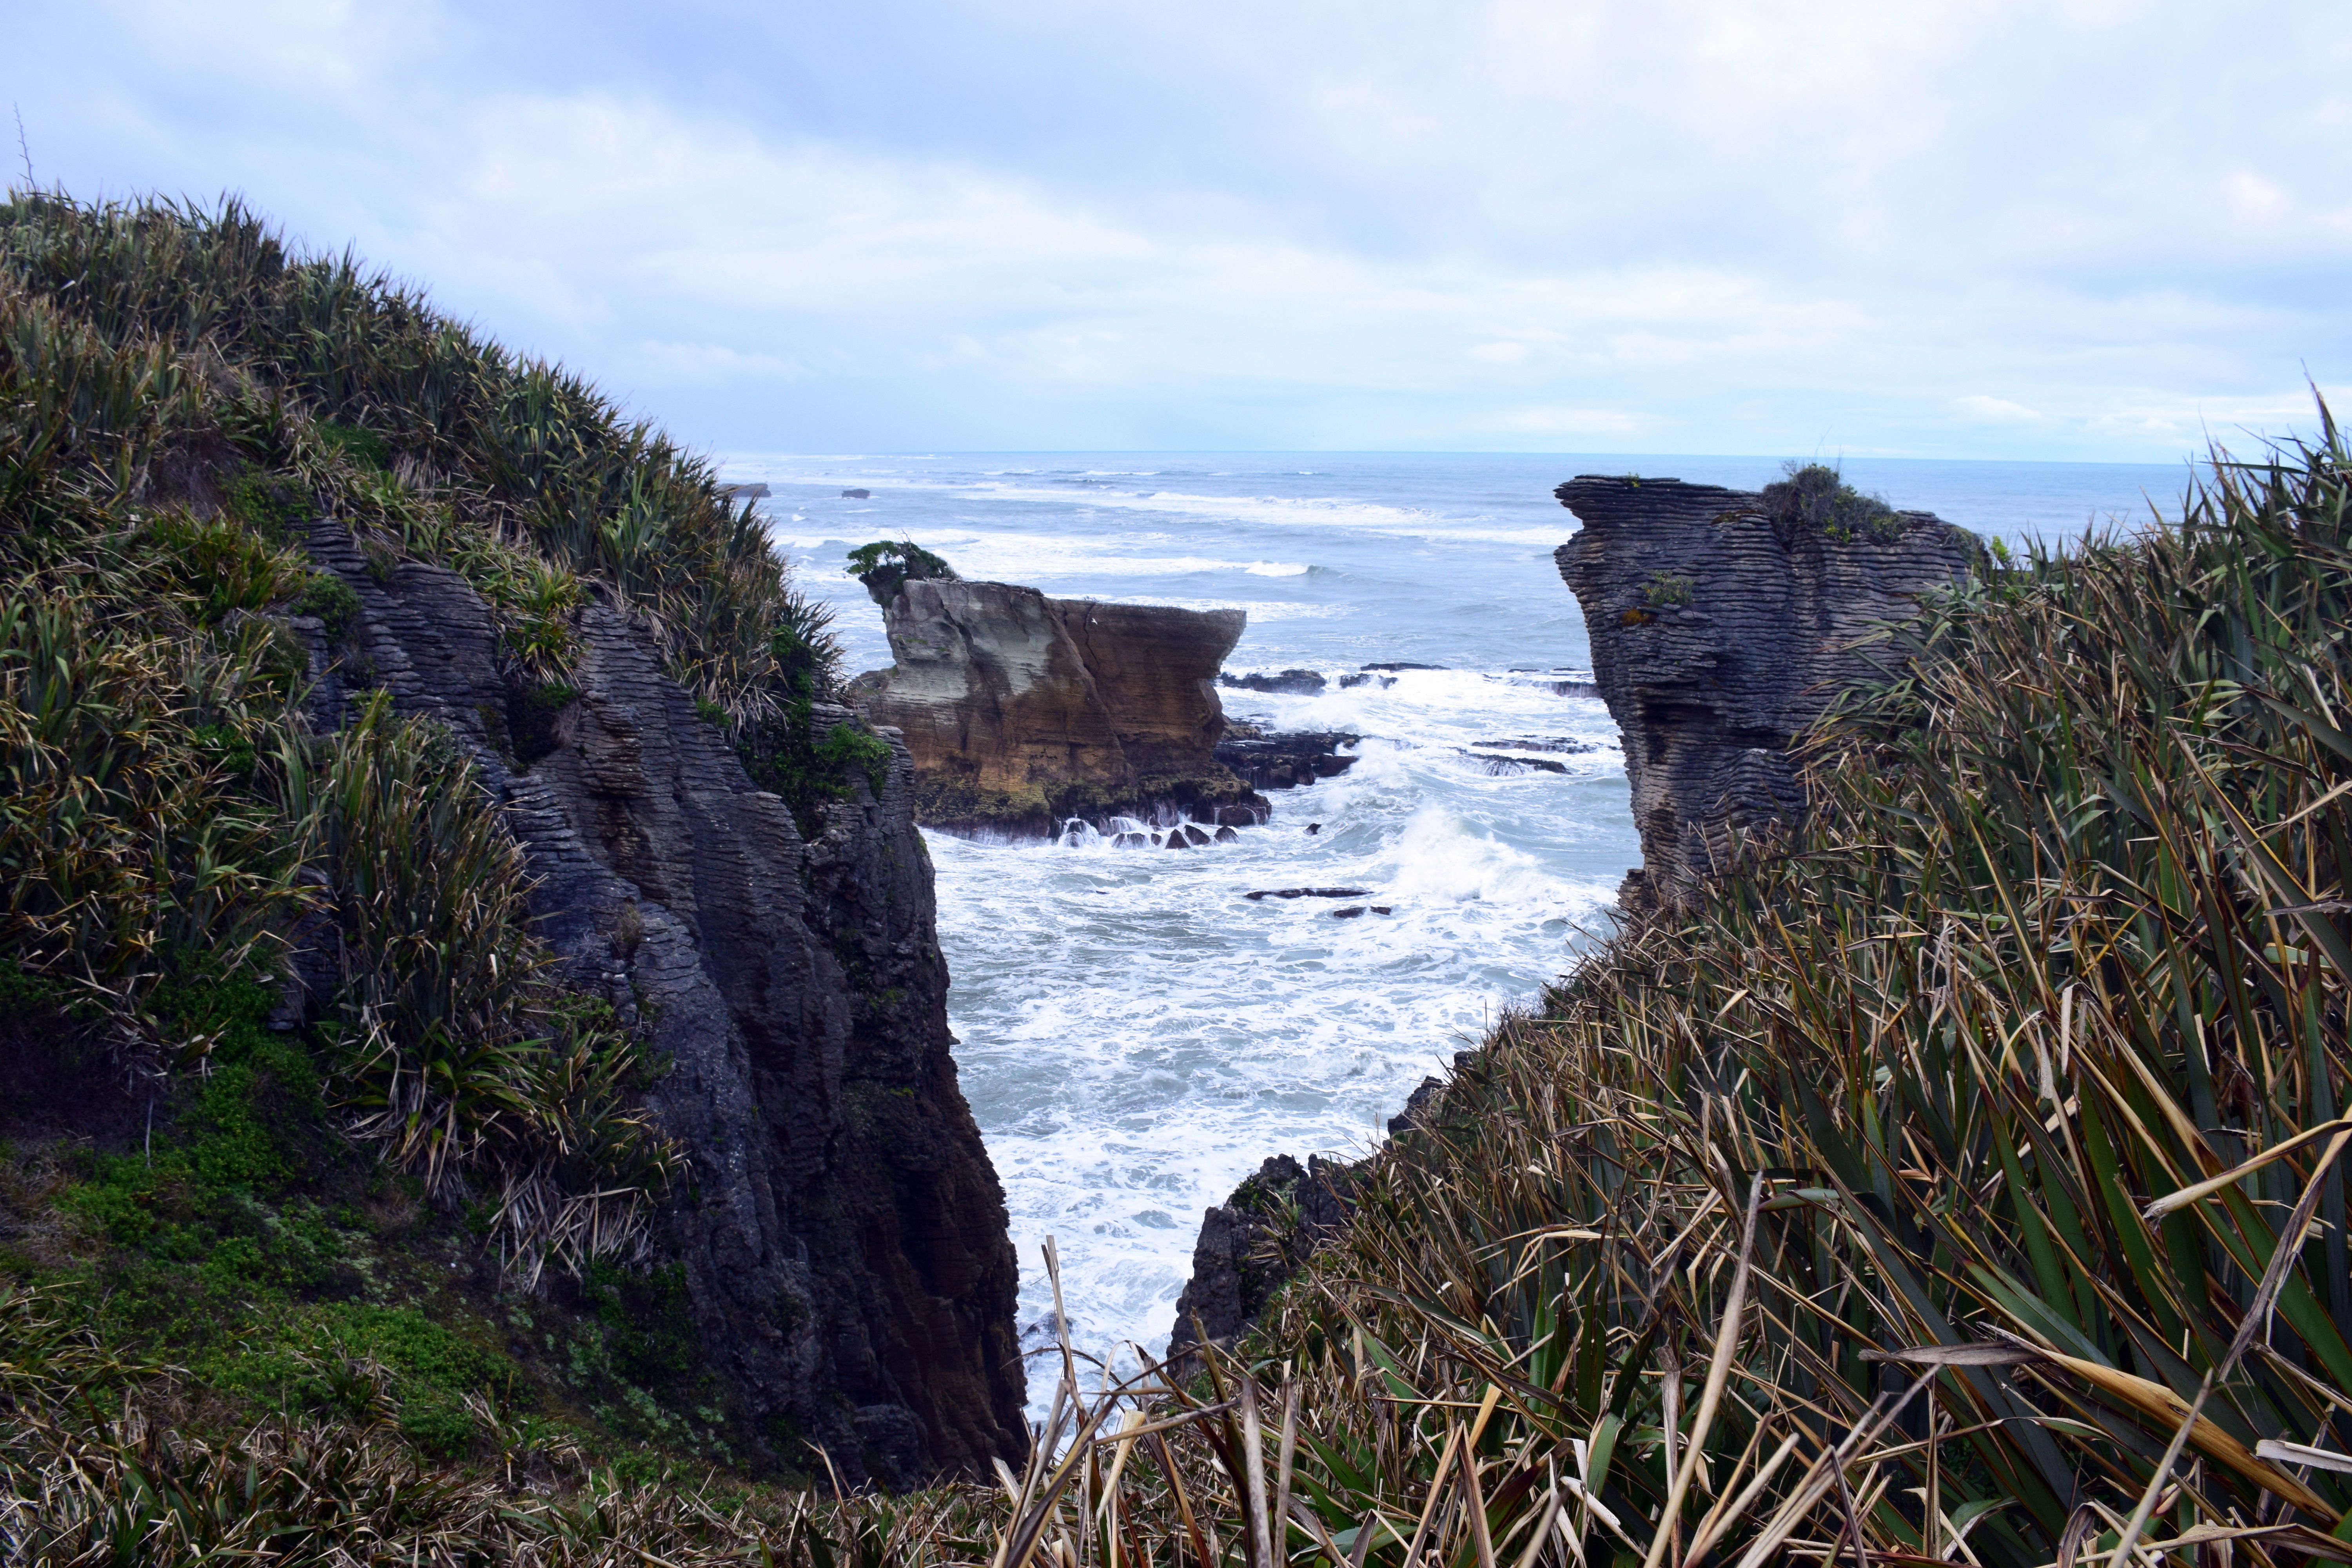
(1257, 609)
(1138, 1035)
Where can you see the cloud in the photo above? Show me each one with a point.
(1995, 410)
(1074, 223)
(1574, 422)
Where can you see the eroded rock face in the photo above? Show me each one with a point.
(843, 1231)
(1021, 711)
(1718, 634)
(1253, 1243)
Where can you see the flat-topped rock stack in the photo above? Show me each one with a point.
(1723, 623)
(1021, 711)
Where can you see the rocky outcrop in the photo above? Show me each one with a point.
(1251, 1243)
(1265, 759)
(842, 1233)
(1021, 711)
(1723, 622)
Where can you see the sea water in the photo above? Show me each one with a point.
(1136, 1033)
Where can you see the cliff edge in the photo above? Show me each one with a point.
(1021, 711)
(842, 1233)
(1723, 622)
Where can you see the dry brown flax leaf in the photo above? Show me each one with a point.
(2161, 1404)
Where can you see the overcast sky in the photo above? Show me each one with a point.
(2029, 229)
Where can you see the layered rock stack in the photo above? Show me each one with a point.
(843, 1232)
(1021, 711)
(1723, 623)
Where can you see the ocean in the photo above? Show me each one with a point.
(1136, 1033)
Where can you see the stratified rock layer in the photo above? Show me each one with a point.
(1719, 634)
(1021, 711)
(843, 1231)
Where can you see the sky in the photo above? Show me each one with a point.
(2064, 229)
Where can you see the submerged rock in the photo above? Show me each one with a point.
(1021, 711)
(1285, 759)
(1288, 682)
(1544, 743)
(1723, 622)
(1497, 765)
(1307, 893)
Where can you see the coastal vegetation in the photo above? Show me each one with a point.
(1814, 499)
(1959, 1179)
(885, 565)
(420, 1202)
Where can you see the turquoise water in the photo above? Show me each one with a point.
(1136, 1035)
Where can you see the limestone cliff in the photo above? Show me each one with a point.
(1722, 624)
(1021, 711)
(843, 1232)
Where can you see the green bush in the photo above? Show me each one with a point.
(1666, 588)
(364, 448)
(885, 565)
(333, 601)
(787, 758)
(1813, 497)
(223, 566)
(274, 510)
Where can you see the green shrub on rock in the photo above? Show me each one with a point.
(886, 565)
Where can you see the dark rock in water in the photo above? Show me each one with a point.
(1227, 835)
(841, 1232)
(1417, 1107)
(1312, 828)
(857, 495)
(1403, 665)
(1349, 913)
(1285, 759)
(1175, 840)
(1308, 893)
(1383, 909)
(1722, 623)
(1196, 835)
(1023, 712)
(1290, 682)
(1348, 683)
(1132, 840)
(1245, 815)
(1499, 765)
(1253, 1242)
(754, 492)
(1555, 743)
(1528, 679)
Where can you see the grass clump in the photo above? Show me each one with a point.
(1812, 499)
(1665, 588)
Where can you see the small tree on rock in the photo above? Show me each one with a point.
(885, 565)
